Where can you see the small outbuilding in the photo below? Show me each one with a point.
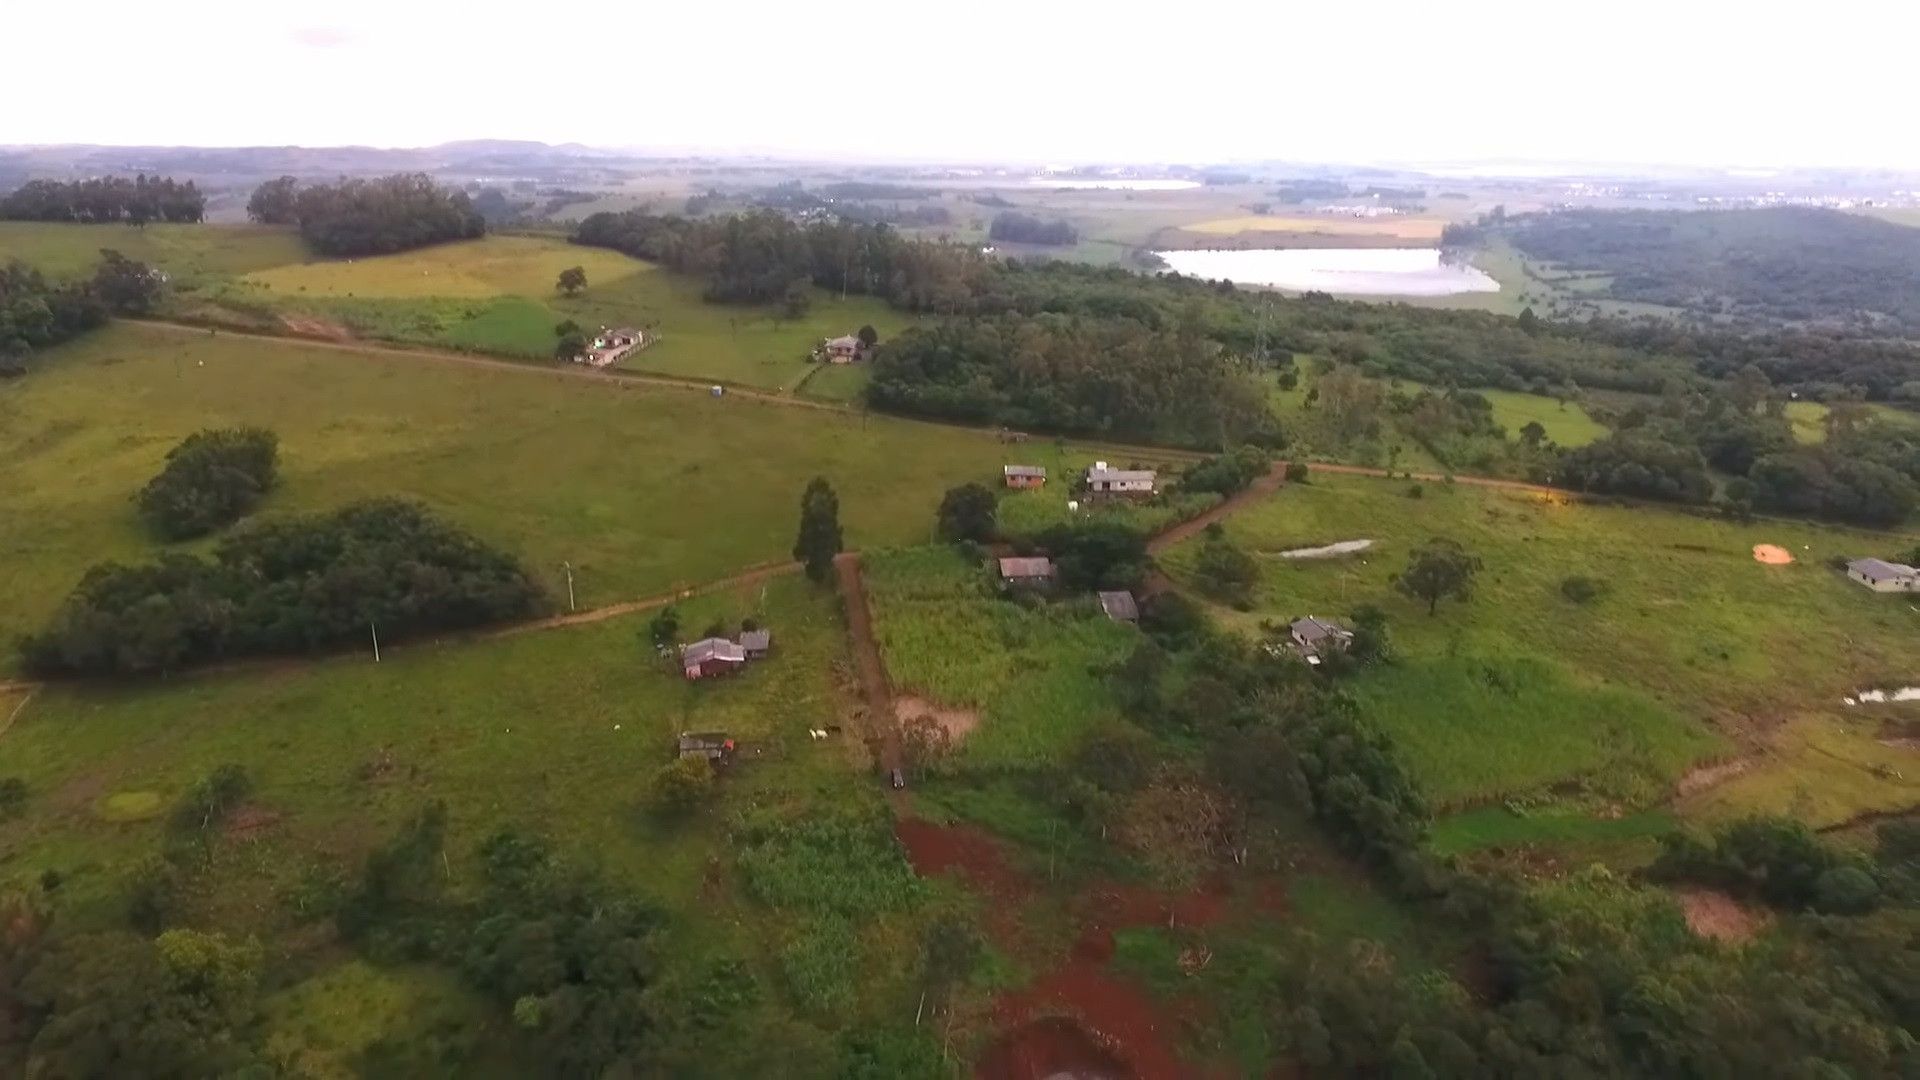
(715, 746)
(1882, 576)
(1314, 637)
(1024, 476)
(1120, 606)
(1036, 572)
(711, 657)
(1104, 480)
(756, 643)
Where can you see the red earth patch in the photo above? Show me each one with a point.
(963, 851)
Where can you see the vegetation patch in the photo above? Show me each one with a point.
(124, 806)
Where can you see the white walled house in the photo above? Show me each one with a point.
(1882, 576)
(1102, 480)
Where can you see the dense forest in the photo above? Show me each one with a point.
(35, 313)
(292, 585)
(1776, 265)
(1084, 375)
(1014, 227)
(369, 217)
(108, 199)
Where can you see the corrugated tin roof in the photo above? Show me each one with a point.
(1881, 570)
(1119, 605)
(1024, 470)
(712, 648)
(1026, 568)
(1112, 476)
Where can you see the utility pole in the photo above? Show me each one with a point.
(376, 641)
(568, 566)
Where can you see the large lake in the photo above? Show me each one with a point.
(1353, 271)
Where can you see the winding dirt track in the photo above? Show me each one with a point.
(866, 657)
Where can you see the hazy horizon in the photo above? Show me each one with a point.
(1702, 85)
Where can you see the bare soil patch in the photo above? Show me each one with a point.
(957, 723)
(1700, 779)
(1713, 914)
(1051, 1048)
(1771, 555)
(1081, 1021)
(248, 821)
(962, 851)
(309, 326)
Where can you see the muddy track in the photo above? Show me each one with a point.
(1193, 526)
(866, 658)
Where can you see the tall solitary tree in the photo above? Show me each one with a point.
(820, 539)
(573, 279)
(967, 513)
(1436, 570)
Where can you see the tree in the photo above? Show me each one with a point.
(1438, 569)
(664, 628)
(869, 337)
(819, 539)
(967, 513)
(126, 286)
(1533, 434)
(573, 279)
(275, 202)
(681, 784)
(1223, 571)
(796, 301)
(570, 346)
(211, 480)
(1370, 644)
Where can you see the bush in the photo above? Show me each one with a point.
(1580, 590)
(211, 480)
(13, 797)
(967, 513)
(1226, 474)
(1297, 472)
(681, 784)
(1224, 572)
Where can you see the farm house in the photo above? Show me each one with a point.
(1024, 476)
(712, 657)
(1103, 480)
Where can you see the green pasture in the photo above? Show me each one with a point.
(1809, 419)
(557, 732)
(641, 489)
(1033, 674)
(1690, 645)
(190, 254)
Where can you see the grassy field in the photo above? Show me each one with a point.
(641, 489)
(190, 254)
(1031, 674)
(1692, 648)
(1567, 425)
(558, 732)
(494, 295)
(1809, 419)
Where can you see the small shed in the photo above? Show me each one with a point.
(1315, 637)
(1036, 571)
(756, 643)
(711, 657)
(1120, 606)
(1882, 576)
(1024, 476)
(715, 746)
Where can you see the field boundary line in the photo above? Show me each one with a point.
(17, 710)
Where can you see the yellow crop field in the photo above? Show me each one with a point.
(494, 266)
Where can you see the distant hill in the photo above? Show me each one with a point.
(1772, 266)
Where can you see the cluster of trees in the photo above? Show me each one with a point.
(759, 257)
(369, 217)
(1013, 227)
(105, 199)
(1111, 376)
(291, 585)
(1781, 862)
(211, 480)
(1865, 471)
(1228, 473)
(1770, 265)
(36, 313)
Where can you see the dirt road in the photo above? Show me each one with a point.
(1182, 530)
(866, 657)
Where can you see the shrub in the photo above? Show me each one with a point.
(211, 480)
(1580, 590)
(13, 797)
(681, 784)
(1297, 472)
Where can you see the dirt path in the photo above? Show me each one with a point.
(1182, 530)
(881, 725)
(14, 714)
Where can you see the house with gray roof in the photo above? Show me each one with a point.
(1102, 479)
(1120, 606)
(756, 643)
(1314, 637)
(1033, 572)
(1882, 576)
(710, 657)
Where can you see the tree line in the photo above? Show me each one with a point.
(106, 199)
(354, 217)
(292, 585)
(36, 313)
(1013, 227)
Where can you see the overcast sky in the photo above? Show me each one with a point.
(1790, 82)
